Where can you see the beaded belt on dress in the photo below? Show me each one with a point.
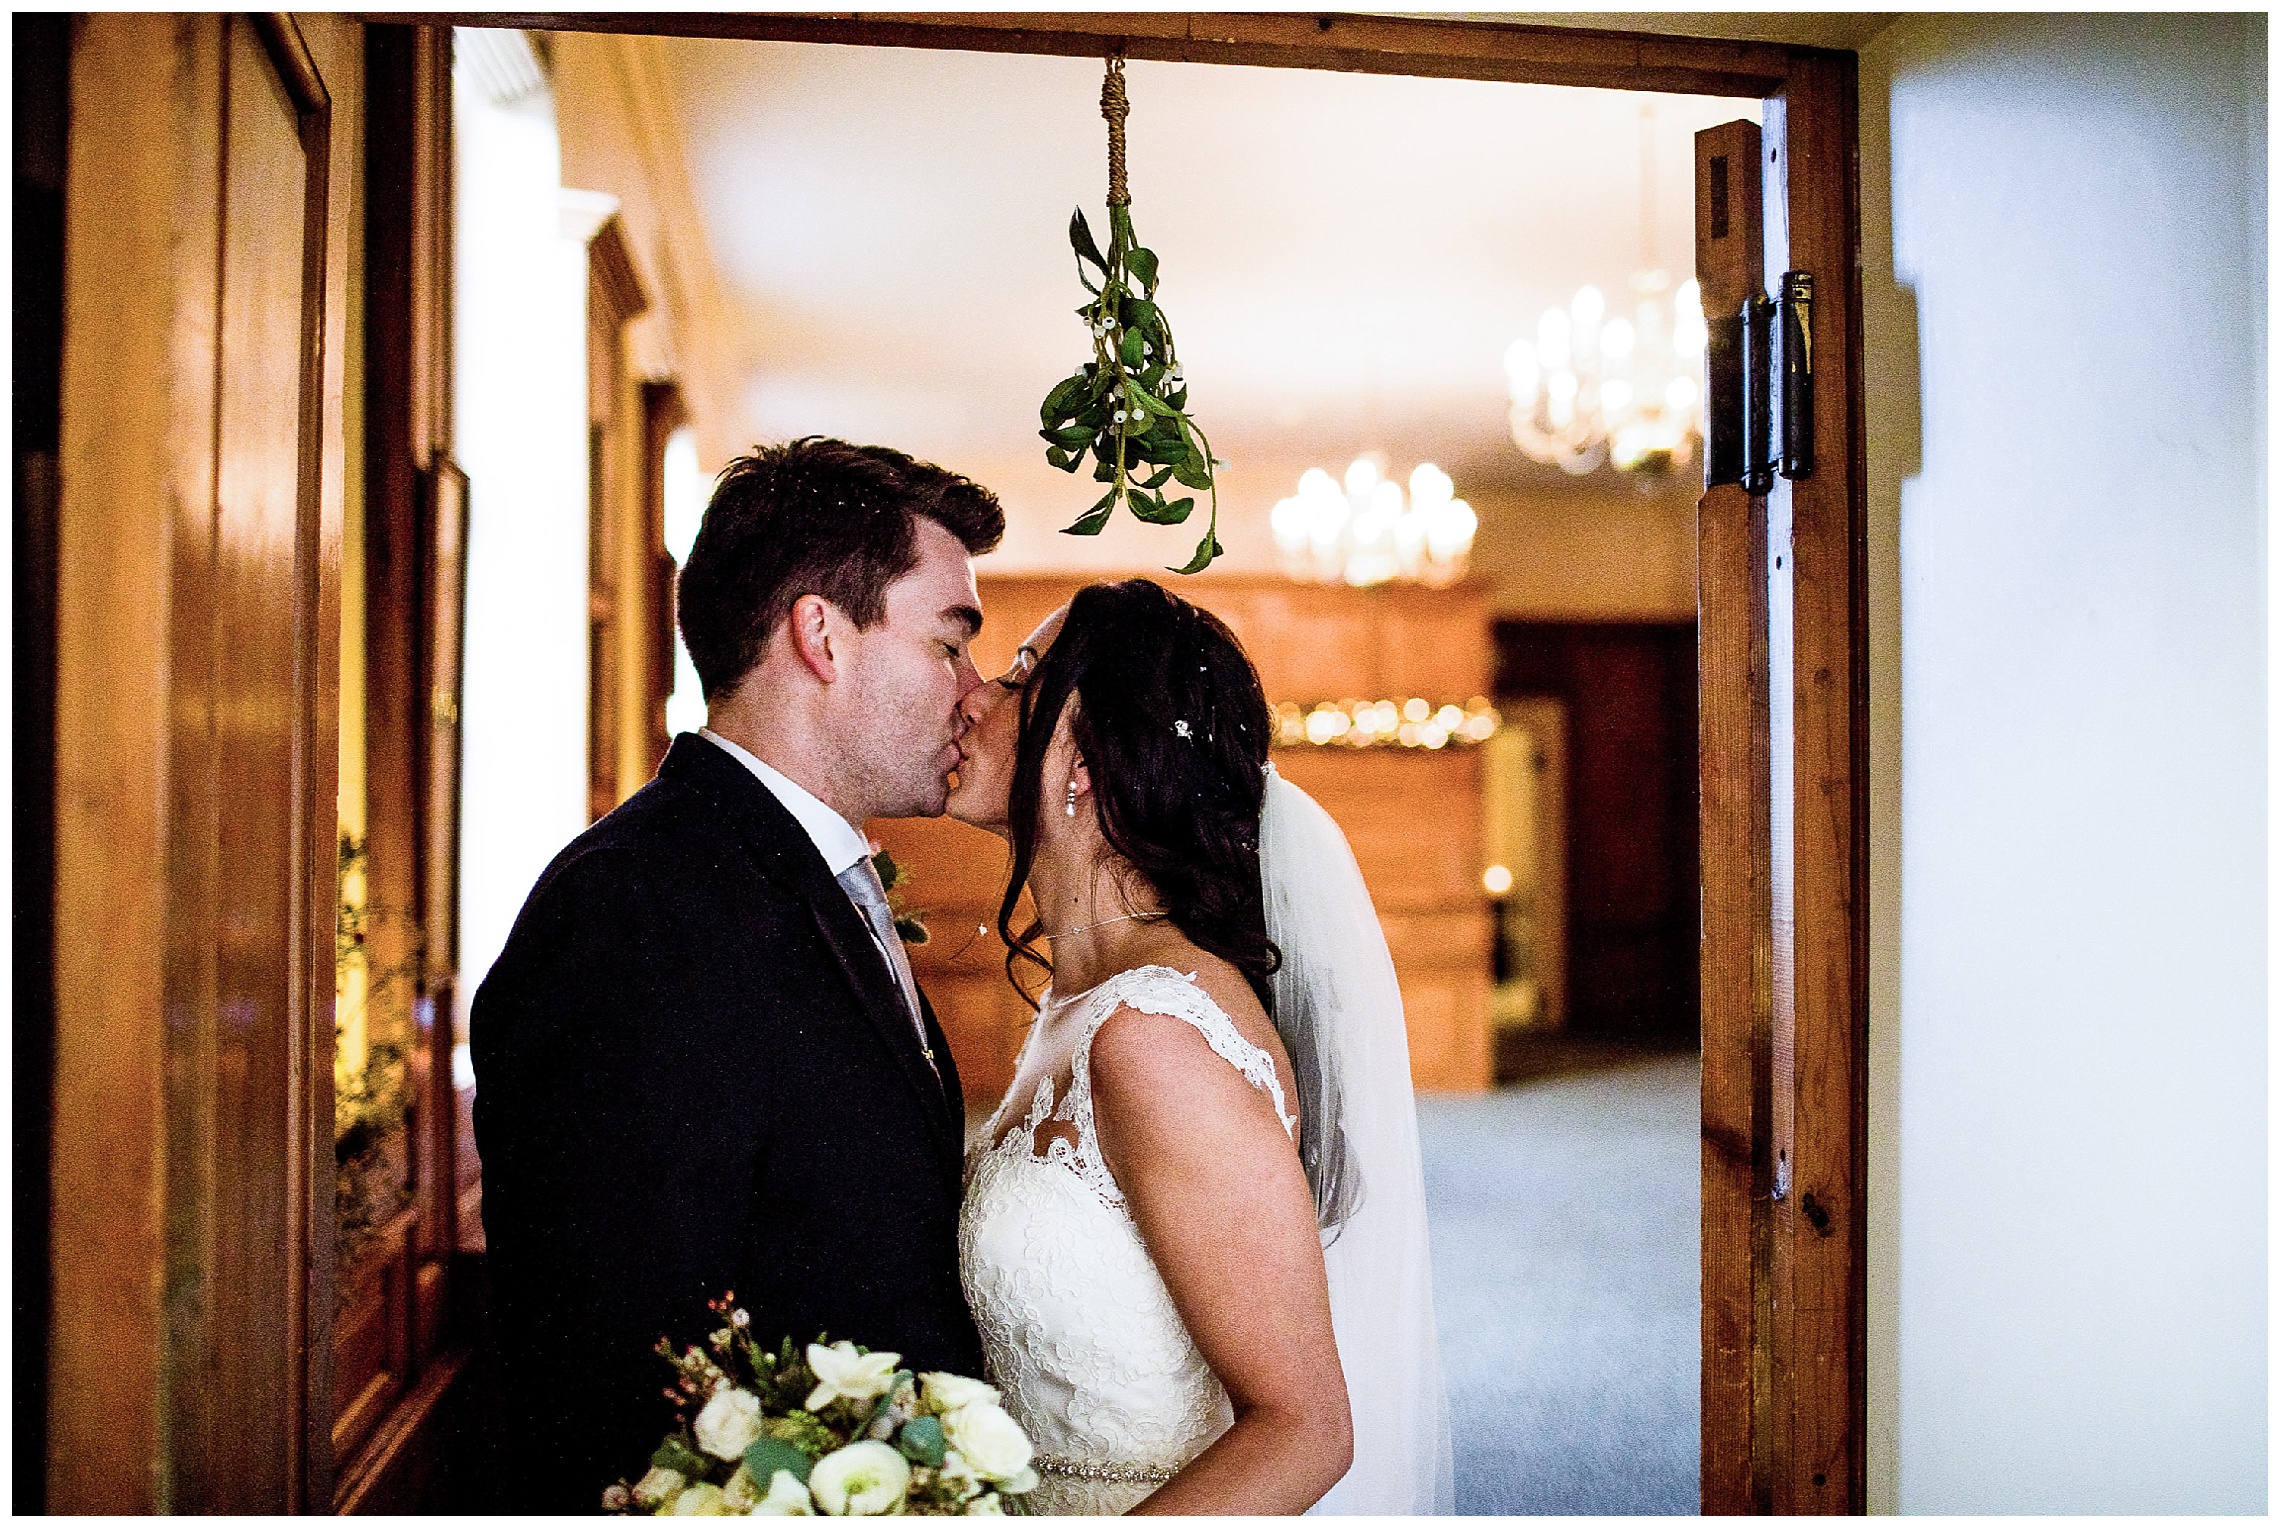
(1118, 1474)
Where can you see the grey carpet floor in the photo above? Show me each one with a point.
(1566, 1280)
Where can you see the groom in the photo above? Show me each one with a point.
(701, 1062)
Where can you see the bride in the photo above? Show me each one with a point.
(1193, 1235)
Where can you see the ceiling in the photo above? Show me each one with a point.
(1345, 257)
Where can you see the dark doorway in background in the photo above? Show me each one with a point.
(1633, 882)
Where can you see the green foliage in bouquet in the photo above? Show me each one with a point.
(1127, 406)
(840, 1430)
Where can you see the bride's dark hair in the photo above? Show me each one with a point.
(1172, 727)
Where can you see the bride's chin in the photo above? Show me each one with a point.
(960, 808)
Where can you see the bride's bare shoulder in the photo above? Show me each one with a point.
(1153, 1052)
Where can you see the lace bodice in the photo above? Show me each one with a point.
(1077, 1327)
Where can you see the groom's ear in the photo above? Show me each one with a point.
(811, 637)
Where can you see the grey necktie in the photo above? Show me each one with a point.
(861, 883)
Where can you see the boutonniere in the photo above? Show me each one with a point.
(894, 878)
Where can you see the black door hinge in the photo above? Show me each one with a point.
(1759, 421)
(1793, 414)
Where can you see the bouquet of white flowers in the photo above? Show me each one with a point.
(840, 1430)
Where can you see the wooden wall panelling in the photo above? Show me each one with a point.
(1414, 818)
(197, 577)
(620, 572)
(130, 443)
(1732, 564)
(335, 51)
(238, 1115)
(394, 1313)
(373, 1340)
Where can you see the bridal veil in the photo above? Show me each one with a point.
(1338, 1009)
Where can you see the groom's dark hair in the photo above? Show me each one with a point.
(816, 516)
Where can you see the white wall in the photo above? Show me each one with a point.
(2064, 245)
(520, 433)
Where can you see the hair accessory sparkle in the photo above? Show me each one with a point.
(1181, 727)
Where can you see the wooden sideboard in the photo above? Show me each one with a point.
(1412, 815)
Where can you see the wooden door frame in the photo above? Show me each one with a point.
(1785, 1010)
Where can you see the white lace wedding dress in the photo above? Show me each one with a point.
(1078, 1329)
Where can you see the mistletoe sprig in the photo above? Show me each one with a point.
(1127, 406)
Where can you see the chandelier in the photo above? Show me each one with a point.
(1367, 531)
(1595, 387)
(1592, 389)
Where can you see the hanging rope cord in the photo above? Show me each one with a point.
(1115, 108)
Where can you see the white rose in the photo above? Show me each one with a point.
(658, 1487)
(948, 1392)
(704, 1499)
(861, 1480)
(840, 1371)
(786, 1498)
(729, 1423)
(985, 1505)
(993, 1442)
(957, 1474)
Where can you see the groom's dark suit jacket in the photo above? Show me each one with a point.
(694, 1074)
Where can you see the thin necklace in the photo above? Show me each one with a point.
(1105, 922)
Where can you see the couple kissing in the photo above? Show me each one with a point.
(1189, 1245)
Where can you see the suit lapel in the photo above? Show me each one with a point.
(786, 854)
(953, 1091)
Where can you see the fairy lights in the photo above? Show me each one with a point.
(1414, 722)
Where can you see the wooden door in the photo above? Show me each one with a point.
(1633, 910)
(197, 598)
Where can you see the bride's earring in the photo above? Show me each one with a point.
(1072, 809)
